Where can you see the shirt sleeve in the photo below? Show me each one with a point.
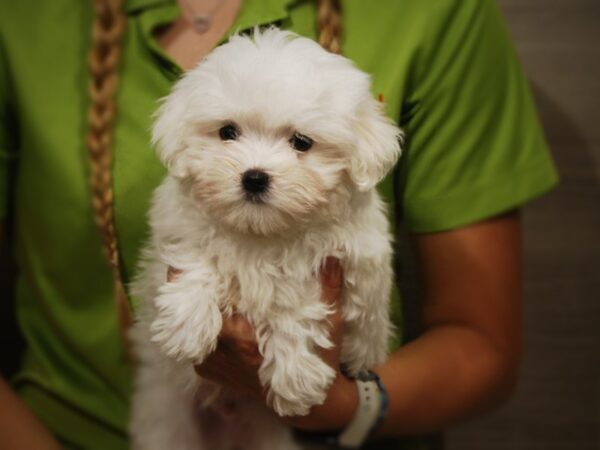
(474, 145)
(8, 133)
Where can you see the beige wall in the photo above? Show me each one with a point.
(557, 404)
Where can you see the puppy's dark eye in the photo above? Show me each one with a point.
(229, 133)
(300, 142)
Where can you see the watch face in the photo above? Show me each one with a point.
(367, 375)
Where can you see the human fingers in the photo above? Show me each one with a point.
(331, 294)
(331, 280)
(331, 286)
(236, 360)
(173, 273)
(239, 336)
(227, 368)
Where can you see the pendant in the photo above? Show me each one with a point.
(201, 23)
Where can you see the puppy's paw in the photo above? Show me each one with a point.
(295, 388)
(185, 330)
(285, 407)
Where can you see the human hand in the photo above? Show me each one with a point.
(342, 399)
(236, 360)
(20, 429)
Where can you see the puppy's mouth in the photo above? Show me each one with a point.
(256, 199)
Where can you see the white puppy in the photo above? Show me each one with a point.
(274, 147)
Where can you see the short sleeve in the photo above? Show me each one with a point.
(8, 132)
(474, 145)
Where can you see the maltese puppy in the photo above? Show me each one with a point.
(274, 147)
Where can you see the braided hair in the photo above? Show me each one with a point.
(103, 59)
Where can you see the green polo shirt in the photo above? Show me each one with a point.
(448, 74)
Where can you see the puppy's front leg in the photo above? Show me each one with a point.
(188, 319)
(296, 376)
(367, 324)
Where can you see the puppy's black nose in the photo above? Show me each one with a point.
(255, 181)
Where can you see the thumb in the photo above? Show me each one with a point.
(173, 273)
(331, 294)
(331, 280)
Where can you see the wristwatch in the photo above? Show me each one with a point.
(372, 408)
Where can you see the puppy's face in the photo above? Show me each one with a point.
(259, 176)
(267, 129)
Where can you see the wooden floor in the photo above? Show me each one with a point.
(557, 405)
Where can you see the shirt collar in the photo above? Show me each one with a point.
(136, 5)
(256, 11)
(154, 13)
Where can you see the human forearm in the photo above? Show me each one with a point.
(450, 373)
(19, 428)
(467, 360)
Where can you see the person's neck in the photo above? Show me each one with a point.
(184, 43)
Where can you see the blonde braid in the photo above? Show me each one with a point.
(104, 56)
(329, 24)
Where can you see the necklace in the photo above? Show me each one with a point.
(201, 22)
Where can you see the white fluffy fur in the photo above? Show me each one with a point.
(261, 259)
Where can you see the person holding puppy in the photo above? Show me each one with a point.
(474, 154)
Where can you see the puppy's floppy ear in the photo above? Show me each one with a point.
(169, 131)
(377, 146)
